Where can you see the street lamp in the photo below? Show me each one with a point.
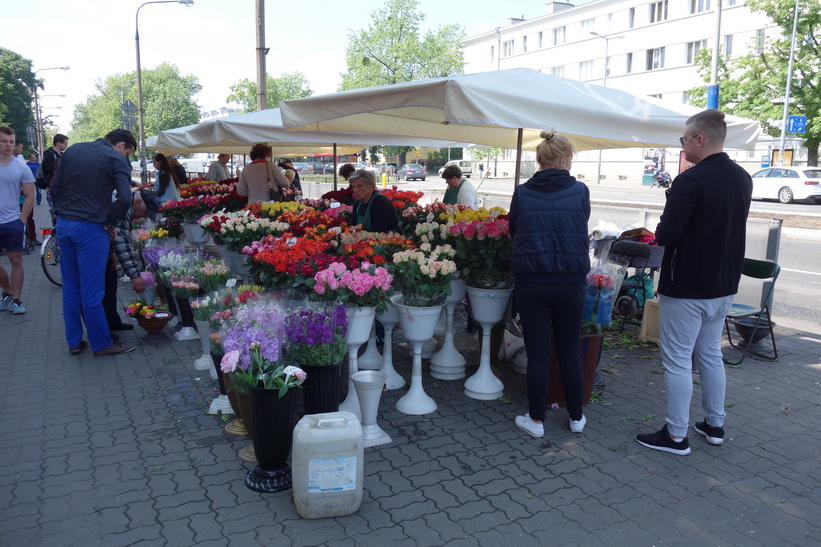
(604, 83)
(140, 111)
(37, 117)
(787, 91)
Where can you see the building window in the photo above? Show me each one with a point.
(586, 70)
(629, 63)
(699, 6)
(658, 11)
(692, 50)
(731, 3)
(540, 40)
(686, 97)
(655, 58)
(728, 46)
(587, 26)
(524, 44)
(507, 48)
(492, 53)
(631, 18)
(759, 41)
(557, 71)
(558, 36)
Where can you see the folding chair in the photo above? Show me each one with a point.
(766, 271)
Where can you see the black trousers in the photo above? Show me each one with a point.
(110, 297)
(551, 314)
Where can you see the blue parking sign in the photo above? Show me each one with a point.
(796, 124)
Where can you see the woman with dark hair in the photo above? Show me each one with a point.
(548, 224)
(167, 185)
(179, 170)
(262, 179)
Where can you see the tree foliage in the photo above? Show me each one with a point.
(167, 99)
(282, 88)
(16, 92)
(753, 85)
(391, 51)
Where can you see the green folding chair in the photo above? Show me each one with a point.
(766, 271)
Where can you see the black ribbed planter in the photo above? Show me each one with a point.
(320, 391)
(273, 437)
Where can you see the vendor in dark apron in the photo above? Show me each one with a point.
(460, 190)
(371, 209)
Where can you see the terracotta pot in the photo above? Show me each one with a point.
(591, 348)
(155, 324)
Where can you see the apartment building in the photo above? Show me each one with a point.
(646, 48)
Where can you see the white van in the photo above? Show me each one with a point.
(464, 165)
(194, 168)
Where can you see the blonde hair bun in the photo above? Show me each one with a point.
(548, 135)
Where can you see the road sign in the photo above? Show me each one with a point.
(796, 124)
(31, 134)
(765, 161)
(128, 108)
(128, 121)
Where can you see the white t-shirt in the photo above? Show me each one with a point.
(12, 177)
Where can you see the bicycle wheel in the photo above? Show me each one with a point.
(50, 260)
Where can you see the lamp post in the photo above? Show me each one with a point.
(604, 83)
(37, 117)
(787, 91)
(140, 111)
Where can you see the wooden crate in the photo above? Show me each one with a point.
(650, 322)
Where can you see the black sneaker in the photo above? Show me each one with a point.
(660, 440)
(714, 435)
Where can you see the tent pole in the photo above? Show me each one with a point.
(518, 157)
(335, 171)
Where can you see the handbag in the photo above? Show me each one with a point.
(273, 190)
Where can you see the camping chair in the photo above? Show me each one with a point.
(764, 270)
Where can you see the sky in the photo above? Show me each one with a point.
(214, 40)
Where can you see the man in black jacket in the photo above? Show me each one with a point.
(703, 230)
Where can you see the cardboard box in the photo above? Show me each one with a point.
(650, 322)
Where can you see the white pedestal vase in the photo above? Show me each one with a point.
(368, 385)
(360, 321)
(195, 235)
(389, 318)
(204, 329)
(417, 325)
(371, 359)
(488, 307)
(448, 363)
(148, 294)
(238, 264)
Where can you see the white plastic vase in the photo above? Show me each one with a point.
(448, 363)
(389, 318)
(360, 321)
(417, 325)
(488, 307)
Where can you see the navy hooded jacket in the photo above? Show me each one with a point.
(548, 223)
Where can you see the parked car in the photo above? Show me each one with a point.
(787, 184)
(329, 169)
(316, 166)
(302, 167)
(412, 171)
(464, 165)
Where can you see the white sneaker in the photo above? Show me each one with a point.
(526, 424)
(578, 426)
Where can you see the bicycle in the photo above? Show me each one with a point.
(50, 256)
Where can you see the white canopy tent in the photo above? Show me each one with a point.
(236, 135)
(507, 108)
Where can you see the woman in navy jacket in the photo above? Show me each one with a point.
(550, 259)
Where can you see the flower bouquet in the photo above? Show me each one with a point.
(483, 249)
(316, 336)
(149, 318)
(212, 275)
(424, 274)
(140, 309)
(241, 231)
(365, 286)
(253, 349)
(599, 297)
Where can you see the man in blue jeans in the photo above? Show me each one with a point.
(703, 230)
(81, 191)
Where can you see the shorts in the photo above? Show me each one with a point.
(11, 236)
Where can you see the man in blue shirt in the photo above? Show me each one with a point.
(33, 165)
(81, 191)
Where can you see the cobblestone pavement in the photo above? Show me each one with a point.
(119, 451)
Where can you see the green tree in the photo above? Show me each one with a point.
(16, 93)
(753, 85)
(283, 88)
(167, 99)
(390, 50)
